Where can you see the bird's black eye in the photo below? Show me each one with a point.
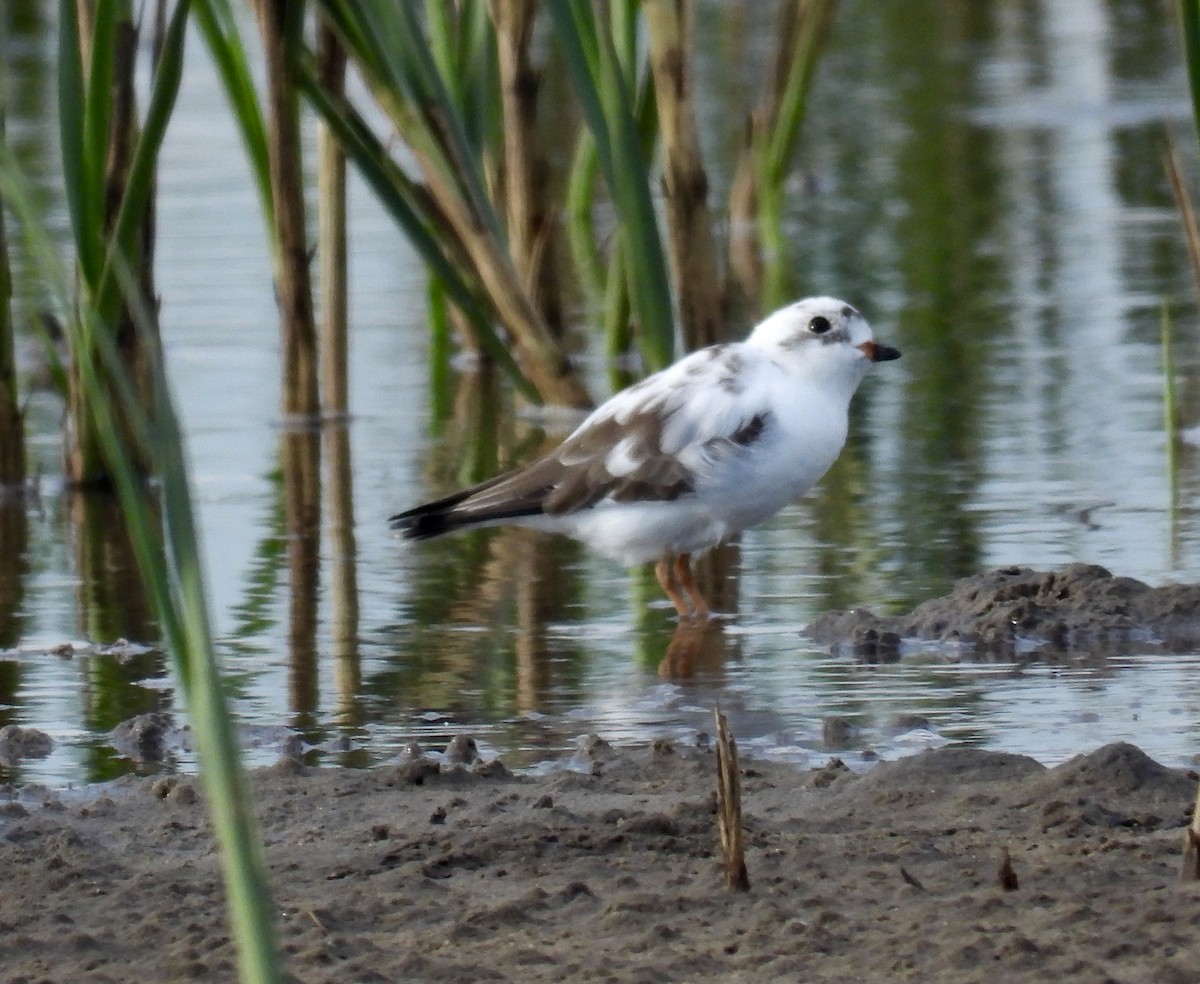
(819, 325)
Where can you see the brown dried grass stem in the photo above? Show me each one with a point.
(1183, 202)
(729, 808)
(276, 19)
(331, 249)
(525, 169)
(698, 284)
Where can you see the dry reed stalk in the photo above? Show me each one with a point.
(729, 808)
(530, 229)
(744, 258)
(335, 442)
(542, 358)
(85, 15)
(1191, 847)
(698, 284)
(292, 282)
(1183, 202)
(476, 247)
(331, 236)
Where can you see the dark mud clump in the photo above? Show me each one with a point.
(145, 738)
(18, 743)
(1017, 609)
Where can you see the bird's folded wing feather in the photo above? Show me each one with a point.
(652, 442)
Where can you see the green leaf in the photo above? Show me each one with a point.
(610, 109)
(71, 123)
(812, 20)
(406, 203)
(220, 31)
(140, 182)
(1189, 14)
(172, 572)
(435, 103)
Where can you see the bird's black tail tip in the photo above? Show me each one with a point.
(417, 525)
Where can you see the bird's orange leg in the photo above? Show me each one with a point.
(663, 571)
(685, 580)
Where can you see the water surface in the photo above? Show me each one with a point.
(984, 181)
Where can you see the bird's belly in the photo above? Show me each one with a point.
(636, 532)
(753, 491)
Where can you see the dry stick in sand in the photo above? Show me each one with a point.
(729, 808)
(1191, 846)
(1006, 875)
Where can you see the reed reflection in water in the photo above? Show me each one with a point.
(983, 180)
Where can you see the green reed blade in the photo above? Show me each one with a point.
(178, 577)
(220, 31)
(609, 107)
(84, 210)
(812, 23)
(407, 205)
(98, 107)
(140, 182)
(463, 55)
(1189, 16)
(174, 585)
(172, 571)
(436, 100)
(479, 100)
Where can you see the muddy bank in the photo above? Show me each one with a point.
(1017, 610)
(438, 872)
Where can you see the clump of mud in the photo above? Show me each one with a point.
(18, 743)
(1017, 609)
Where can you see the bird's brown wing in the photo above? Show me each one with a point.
(571, 478)
(628, 450)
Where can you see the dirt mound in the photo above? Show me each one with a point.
(1017, 609)
(1118, 785)
(18, 743)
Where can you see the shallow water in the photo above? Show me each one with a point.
(985, 185)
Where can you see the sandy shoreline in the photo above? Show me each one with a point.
(421, 872)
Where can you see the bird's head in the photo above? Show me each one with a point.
(822, 337)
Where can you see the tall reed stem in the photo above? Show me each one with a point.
(109, 174)
(697, 280)
(756, 199)
(331, 209)
(530, 229)
(280, 23)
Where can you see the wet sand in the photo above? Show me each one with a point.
(431, 872)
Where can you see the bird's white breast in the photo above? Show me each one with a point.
(805, 434)
(735, 487)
